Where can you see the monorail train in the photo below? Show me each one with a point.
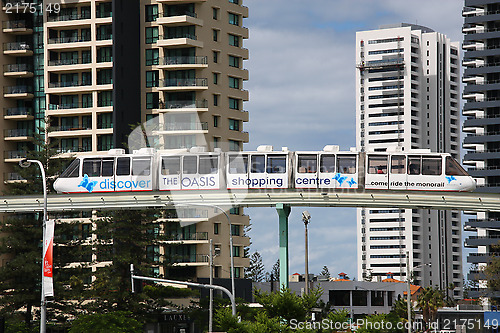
(330, 169)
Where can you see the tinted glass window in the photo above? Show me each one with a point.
(431, 165)
(276, 164)
(171, 165)
(238, 164)
(398, 164)
(108, 165)
(258, 164)
(92, 167)
(453, 168)
(327, 163)
(209, 165)
(123, 166)
(190, 165)
(346, 164)
(307, 163)
(414, 165)
(141, 166)
(377, 164)
(72, 171)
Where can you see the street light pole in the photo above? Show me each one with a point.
(306, 217)
(43, 305)
(408, 288)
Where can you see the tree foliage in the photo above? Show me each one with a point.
(429, 301)
(325, 272)
(256, 270)
(114, 322)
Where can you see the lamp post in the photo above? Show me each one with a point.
(25, 163)
(305, 218)
(408, 289)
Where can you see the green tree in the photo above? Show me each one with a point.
(492, 273)
(113, 322)
(256, 270)
(381, 323)
(400, 309)
(325, 272)
(429, 301)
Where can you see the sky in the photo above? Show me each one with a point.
(302, 96)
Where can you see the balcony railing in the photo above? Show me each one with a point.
(19, 24)
(65, 62)
(13, 68)
(21, 111)
(72, 149)
(193, 60)
(18, 90)
(70, 106)
(17, 46)
(15, 154)
(200, 82)
(70, 17)
(186, 214)
(196, 236)
(12, 176)
(186, 127)
(65, 84)
(178, 13)
(183, 104)
(73, 39)
(15, 133)
(178, 35)
(70, 128)
(103, 125)
(193, 258)
(104, 36)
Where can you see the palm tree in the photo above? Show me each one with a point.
(429, 301)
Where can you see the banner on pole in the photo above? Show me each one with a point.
(48, 244)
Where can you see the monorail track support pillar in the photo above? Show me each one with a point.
(283, 213)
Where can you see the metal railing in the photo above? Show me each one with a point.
(65, 62)
(18, 90)
(186, 126)
(183, 104)
(103, 125)
(69, 106)
(17, 46)
(198, 82)
(70, 128)
(73, 149)
(12, 176)
(69, 17)
(15, 154)
(12, 68)
(19, 24)
(178, 35)
(18, 132)
(20, 111)
(64, 84)
(193, 258)
(178, 13)
(195, 236)
(104, 36)
(192, 60)
(73, 39)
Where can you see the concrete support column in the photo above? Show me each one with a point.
(283, 213)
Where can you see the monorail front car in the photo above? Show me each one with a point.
(148, 170)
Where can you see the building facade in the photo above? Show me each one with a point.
(407, 98)
(481, 95)
(91, 69)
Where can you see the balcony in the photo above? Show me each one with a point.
(179, 40)
(183, 106)
(474, 241)
(104, 36)
(17, 49)
(70, 17)
(18, 70)
(64, 128)
(69, 62)
(13, 177)
(179, 19)
(72, 149)
(23, 134)
(183, 128)
(191, 238)
(18, 92)
(184, 84)
(21, 113)
(68, 84)
(72, 39)
(18, 27)
(14, 155)
(188, 260)
(178, 2)
(476, 258)
(183, 62)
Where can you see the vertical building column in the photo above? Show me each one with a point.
(283, 213)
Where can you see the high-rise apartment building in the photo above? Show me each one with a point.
(407, 98)
(93, 68)
(482, 143)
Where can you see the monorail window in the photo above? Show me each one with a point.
(190, 165)
(307, 163)
(171, 165)
(208, 165)
(123, 166)
(72, 171)
(346, 164)
(258, 164)
(431, 166)
(453, 168)
(238, 164)
(398, 164)
(414, 165)
(141, 166)
(92, 167)
(108, 167)
(377, 164)
(276, 163)
(327, 163)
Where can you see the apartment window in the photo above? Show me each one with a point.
(152, 100)
(216, 228)
(104, 10)
(216, 121)
(152, 79)
(234, 19)
(235, 1)
(105, 76)
(234, 145)
(237, 272)
(216, 78)
(216, 100)
(234, 61)
(105, 142)
(215, 34)
(104, 120)
(152, 57)
(234, 40)
(216, 56)
(234, 103)
(151, 13)
(234, 82)
(104, 32)
(216, 142)
(234, 124)
(235, 230)
(151, 35)
(105, 98)
(105, 54)
(86, 100)
(215, 13)
(236, 251)
(234, 211)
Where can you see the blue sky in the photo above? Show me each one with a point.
(302, 96)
